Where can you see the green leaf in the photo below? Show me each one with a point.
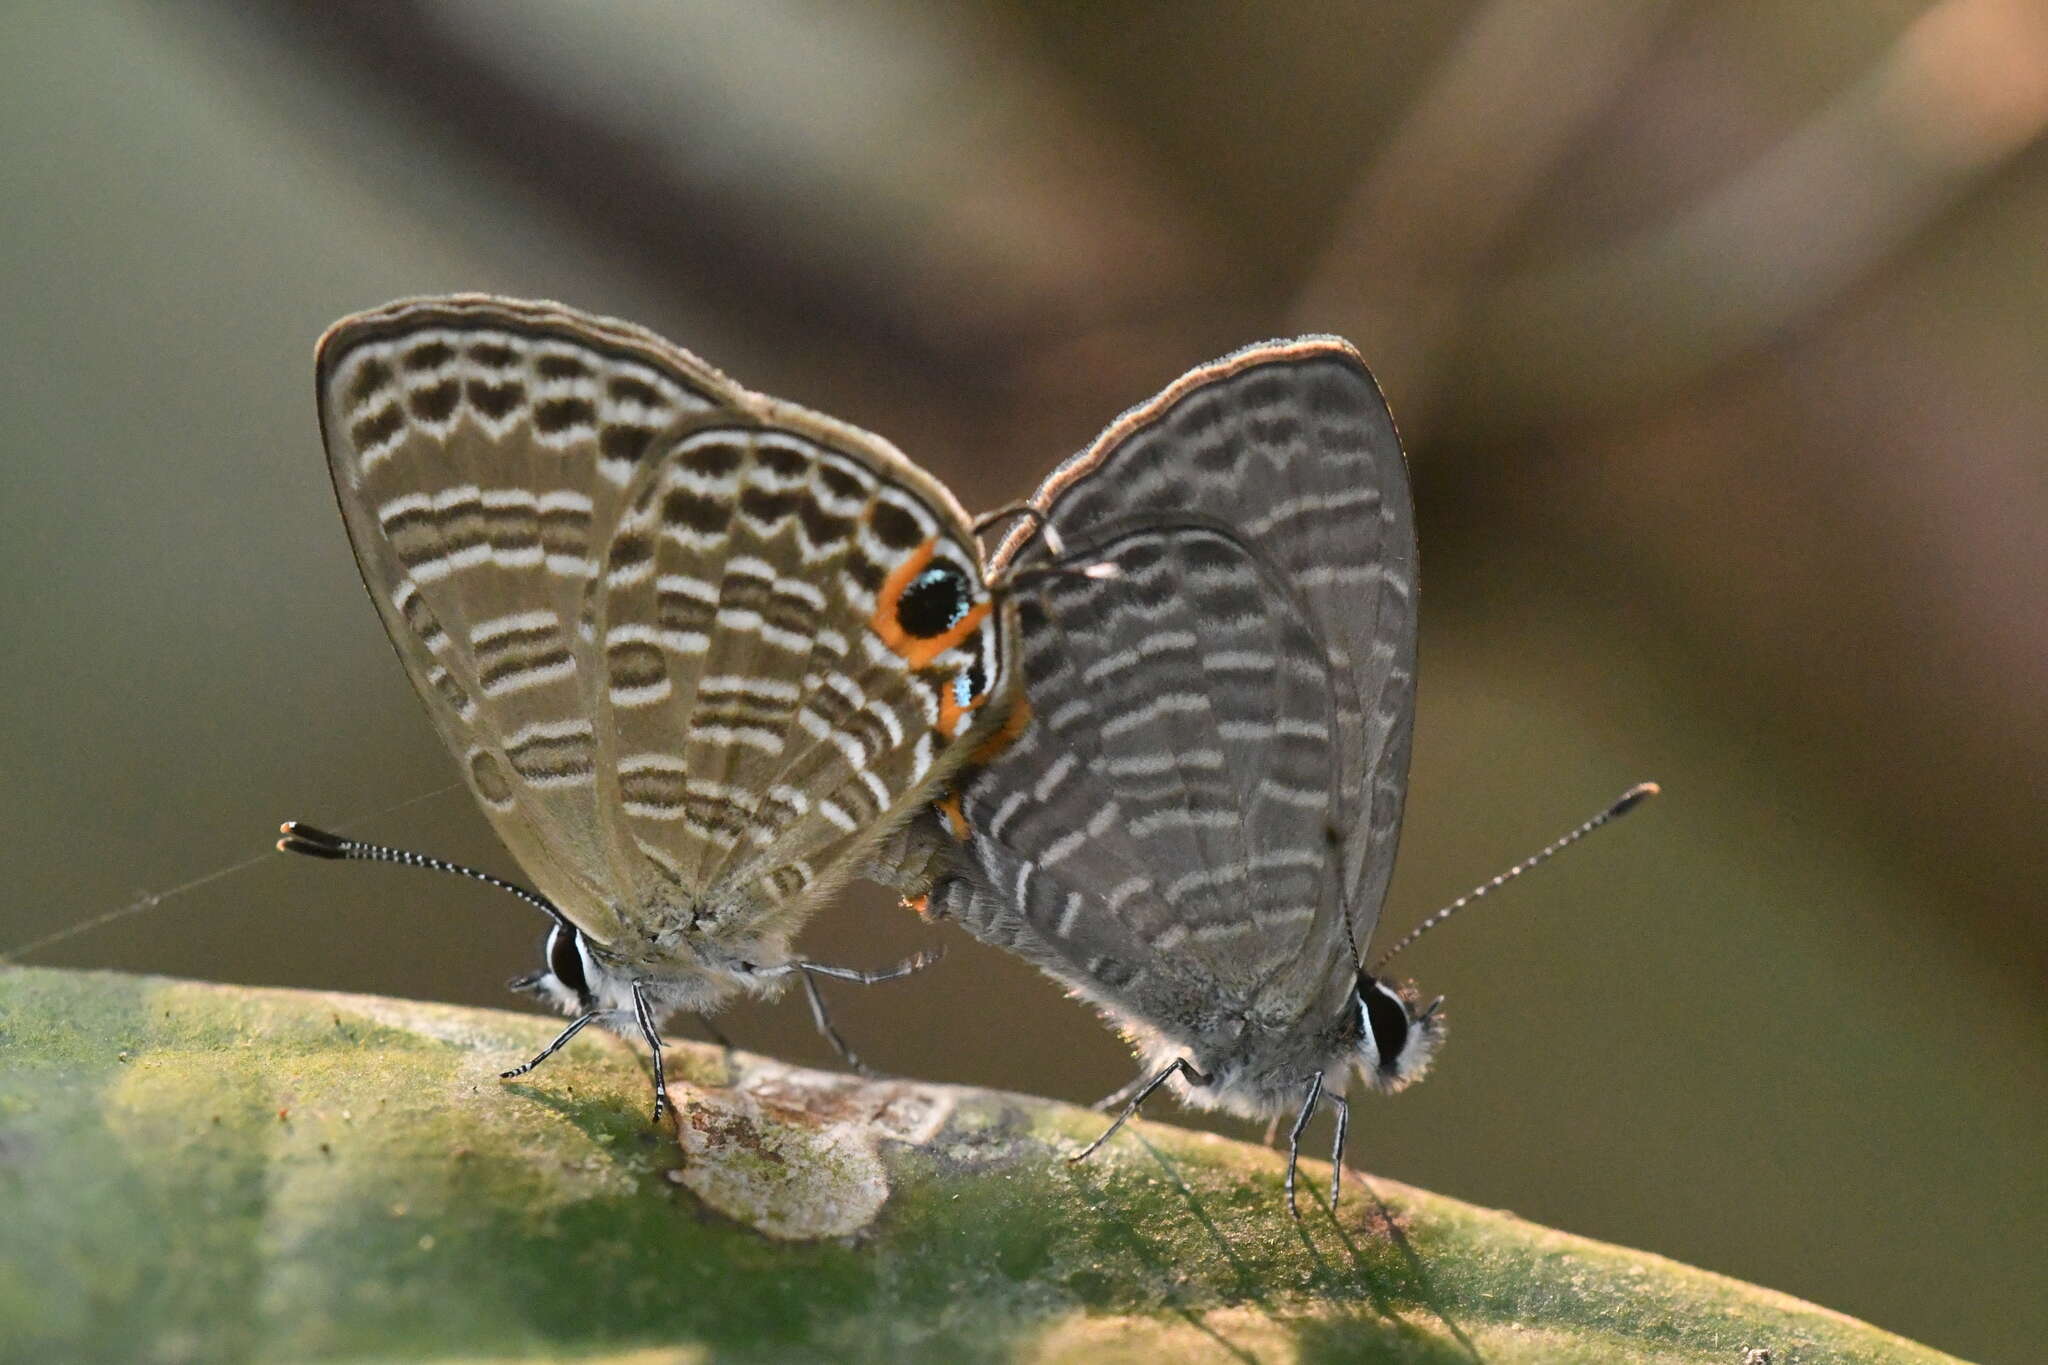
(211, 1173)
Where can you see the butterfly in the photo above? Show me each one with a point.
(1196, 832)
(696, 651)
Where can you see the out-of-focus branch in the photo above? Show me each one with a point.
(1408, 272)
(900, 181)
(1513, 97)
(1964, 89)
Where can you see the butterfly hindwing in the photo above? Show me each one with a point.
(1291, 446)
(799, 646)
(1155, 836)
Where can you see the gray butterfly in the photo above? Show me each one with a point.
(696, 650)
(1196, 830)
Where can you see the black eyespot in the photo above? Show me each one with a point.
(933, 603)
(565, 962)
(972, 682)
(1389, 1018)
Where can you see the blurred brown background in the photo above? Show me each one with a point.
(1719, 334)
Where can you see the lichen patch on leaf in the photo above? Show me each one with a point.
(779, 1171)
(900, 1111)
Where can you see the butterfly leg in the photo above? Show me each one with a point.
(1180, 1064)
(823, 1021)
(1343, 1108)
(1308, 1109)
(911, 965)
(1121, 1096)
(645, 1017)
(820, 1017)
(576, 1026)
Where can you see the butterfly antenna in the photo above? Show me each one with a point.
(300, 837)
(1627, 802)
(1041, 525)
(1097, 558)
(1087, 564)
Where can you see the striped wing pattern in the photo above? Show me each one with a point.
(1156, 835)
(772, 708)
(653, 615)
(1267, 679)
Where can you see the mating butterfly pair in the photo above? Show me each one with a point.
(704, 656)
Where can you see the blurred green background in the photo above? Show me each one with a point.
(1718, 332)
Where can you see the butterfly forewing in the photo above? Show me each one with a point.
(479, 450)
(654, 616)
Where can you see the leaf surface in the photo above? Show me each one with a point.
(212, 1173)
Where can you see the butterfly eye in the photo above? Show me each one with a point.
(934, 602)
(566, 962)
(1388, 1016)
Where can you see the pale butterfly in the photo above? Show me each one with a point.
(697, 651)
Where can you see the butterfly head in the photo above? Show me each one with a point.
(577, 977)
(1398, 1033)
(580, 976)
(567, 972)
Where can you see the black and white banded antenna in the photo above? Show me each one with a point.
(1623, 804)
(300, 837)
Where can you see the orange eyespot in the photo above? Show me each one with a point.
(907, 583)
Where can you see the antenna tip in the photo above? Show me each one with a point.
(1633, 797)
(300, 837)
